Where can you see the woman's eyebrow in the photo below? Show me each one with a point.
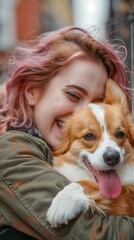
(79, 88)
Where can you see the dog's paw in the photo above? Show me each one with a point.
(67, 204)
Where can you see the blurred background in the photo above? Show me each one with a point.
(22, 20)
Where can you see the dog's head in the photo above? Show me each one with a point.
(99, 136)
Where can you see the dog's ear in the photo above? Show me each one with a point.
(114, 94)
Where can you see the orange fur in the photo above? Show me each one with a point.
(117, 117)
(122, 206)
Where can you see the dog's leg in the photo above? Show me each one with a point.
(68, 204)
(81, 196)
(72, 201)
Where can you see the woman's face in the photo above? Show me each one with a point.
(81, 82)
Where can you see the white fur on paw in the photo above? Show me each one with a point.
(67, 204)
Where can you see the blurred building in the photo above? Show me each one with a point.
(21, 20)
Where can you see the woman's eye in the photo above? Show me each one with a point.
(89, 137)
(73, 95)
(120, 135)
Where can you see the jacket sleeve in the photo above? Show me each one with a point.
(27, 186)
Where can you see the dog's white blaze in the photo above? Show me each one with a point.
(96, 158)
(98, 111)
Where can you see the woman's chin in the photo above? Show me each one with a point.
(55, 137)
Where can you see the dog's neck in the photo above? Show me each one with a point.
(65, 165)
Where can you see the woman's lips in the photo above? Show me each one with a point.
(59, 125)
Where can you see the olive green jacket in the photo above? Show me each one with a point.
(27, 186)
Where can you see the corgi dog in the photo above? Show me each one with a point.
(97, 156)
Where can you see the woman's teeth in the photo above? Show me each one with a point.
(60, 123)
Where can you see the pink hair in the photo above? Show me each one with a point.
(39, 62)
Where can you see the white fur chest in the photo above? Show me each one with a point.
(74, 172)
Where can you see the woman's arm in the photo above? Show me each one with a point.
(27, 186)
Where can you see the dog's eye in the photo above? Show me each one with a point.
(89, 137)
(120, 135)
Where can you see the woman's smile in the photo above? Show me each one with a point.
(80, 82)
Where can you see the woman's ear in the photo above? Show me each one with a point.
(31, 94)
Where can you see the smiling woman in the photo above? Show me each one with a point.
(72, 94)
(49, 80)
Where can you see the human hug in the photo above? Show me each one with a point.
(67, 139)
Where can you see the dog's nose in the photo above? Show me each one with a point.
(111, 157)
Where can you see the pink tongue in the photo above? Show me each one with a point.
(109, 184)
